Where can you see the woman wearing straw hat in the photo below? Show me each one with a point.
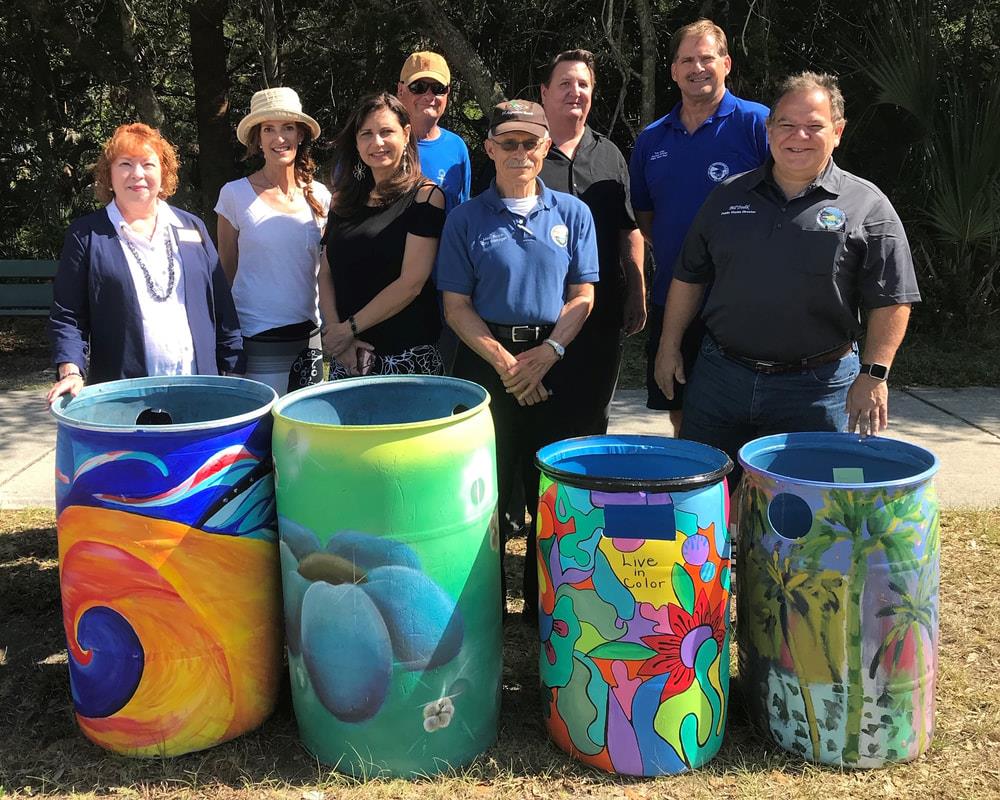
(269, 228)
(379, 305)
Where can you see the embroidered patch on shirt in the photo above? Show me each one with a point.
(718, 171)
(559, 235)
(492, 239)
(832, 218)
(738, 208)
(659, 154)
(189, 235)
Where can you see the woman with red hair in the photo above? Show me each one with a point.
(139, 290)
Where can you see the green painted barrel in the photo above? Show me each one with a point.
(386, 492)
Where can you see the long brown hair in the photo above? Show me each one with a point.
(350, 193)
(305, 167)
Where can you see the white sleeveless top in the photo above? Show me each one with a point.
(278, 258)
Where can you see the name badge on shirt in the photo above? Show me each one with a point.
(189, 235)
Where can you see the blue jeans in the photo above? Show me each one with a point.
(727, 404)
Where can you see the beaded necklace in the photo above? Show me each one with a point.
(171, 273)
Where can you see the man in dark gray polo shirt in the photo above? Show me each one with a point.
(796, 249)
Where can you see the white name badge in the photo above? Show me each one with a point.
(189, 235)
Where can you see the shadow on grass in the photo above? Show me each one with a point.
(45, 750)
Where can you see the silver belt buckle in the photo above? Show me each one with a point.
(531, 332)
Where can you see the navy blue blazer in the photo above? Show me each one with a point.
(95, 306)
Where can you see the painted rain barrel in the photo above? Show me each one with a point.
(168, 560)
(633, 563)
(386, 491)
(837, 605)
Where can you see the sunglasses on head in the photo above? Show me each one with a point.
(421, 86)
(512, 145)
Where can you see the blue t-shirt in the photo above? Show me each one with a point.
(445, 161)
(517, 269)
(672, 171)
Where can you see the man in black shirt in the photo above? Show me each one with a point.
(588, 165)
(796, 249)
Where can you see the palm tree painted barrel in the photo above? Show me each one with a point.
(633, 563)
(838, 595)
(386, 492)
(168, 560)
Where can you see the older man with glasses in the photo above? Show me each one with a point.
(424, 84)
(517, 265)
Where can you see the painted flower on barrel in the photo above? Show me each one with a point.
(677, 650)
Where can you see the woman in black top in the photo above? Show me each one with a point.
(375, 293)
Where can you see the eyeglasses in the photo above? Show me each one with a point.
(512, 145)
(421, 86)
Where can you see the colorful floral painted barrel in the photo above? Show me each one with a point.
(837, 605)
(168, 561)
(390, 560)
(633, 565)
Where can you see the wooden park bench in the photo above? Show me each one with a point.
(26, 287)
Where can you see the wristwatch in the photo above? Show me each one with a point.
(879, 372)
(560, 350)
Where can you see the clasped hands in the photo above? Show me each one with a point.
(351, 353)
(523, 375)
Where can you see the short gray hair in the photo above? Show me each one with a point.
(809, 82)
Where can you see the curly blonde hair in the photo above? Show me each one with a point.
(130, 139)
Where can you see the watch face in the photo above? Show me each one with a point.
(878, 371)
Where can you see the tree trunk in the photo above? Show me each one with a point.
(140, 89)
(647, 33)
(462, 57)
(209, 52)
(269, 52)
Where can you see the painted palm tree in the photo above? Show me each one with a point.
(914, 614)
(804, 598)
(870, 521)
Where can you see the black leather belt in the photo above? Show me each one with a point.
(777, 367)
(520, 333)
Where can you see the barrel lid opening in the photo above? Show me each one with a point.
(164, 404)
(839, 460)
(384, 401)
(633, 463)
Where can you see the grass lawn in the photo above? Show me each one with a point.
(43, 753)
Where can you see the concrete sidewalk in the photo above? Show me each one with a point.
(961, 426)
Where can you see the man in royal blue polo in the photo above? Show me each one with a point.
(517, 265)
(707, 137)
(424, 85)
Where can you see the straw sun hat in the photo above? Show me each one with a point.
(280, 103)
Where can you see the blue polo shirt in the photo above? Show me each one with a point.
(673, 171)
(517, 269)
(445, 161)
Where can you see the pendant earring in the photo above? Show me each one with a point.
(359, 171)
(405, 164)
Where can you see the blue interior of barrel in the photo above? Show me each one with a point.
(816, 456)
(120, 403)
(633, 458)
(384, 401)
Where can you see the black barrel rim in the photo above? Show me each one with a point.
(623, 485)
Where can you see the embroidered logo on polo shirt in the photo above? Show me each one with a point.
(832, 218)
(493, 238)
(718, 171)
(559, 234)
(737, 208)
(659, 154)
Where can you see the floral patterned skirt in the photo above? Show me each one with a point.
(424, 359)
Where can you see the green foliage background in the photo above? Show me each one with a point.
(920, 79)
